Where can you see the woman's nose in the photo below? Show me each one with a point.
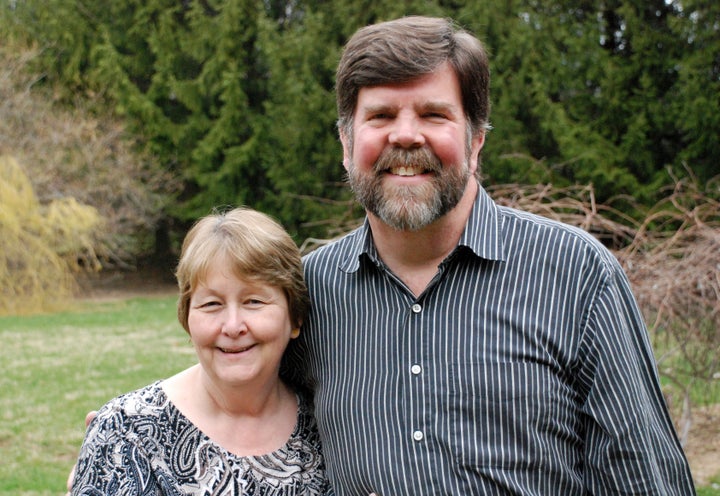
(234, 324)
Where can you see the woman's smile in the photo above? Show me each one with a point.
(236, 350)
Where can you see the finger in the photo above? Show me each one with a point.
(89, 417)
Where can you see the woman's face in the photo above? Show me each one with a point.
(240, 328)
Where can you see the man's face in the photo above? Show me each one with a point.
(410, 156)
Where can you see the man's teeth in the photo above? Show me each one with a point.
(405, 171)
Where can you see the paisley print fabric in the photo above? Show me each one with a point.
(140, 444)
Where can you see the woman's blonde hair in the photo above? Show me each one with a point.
(257, 249)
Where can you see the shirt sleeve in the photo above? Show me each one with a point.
(110, 461)
(630, 446)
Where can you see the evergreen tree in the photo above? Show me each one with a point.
(583, 92)
(695, 99)
(300, 150)
(236, 97)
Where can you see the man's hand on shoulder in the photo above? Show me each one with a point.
(71, 477)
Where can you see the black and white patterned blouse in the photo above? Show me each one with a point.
(140, 444)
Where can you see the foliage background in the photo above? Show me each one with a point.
(235, 98)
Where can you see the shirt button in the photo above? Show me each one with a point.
(416, 308)
(416, 369)
(417, 435)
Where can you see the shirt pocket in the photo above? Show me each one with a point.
(509, 415)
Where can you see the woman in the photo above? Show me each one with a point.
(228, 425)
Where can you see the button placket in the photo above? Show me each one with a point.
(416, 369)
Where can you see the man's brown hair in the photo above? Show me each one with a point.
(405, 49)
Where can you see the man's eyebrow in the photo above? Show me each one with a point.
(377, 108)
(439, 106)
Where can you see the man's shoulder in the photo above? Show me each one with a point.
(335, 249)
(547, 230)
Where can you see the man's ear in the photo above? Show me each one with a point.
(347, 153)
(476, 146)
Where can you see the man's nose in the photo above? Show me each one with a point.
(407, 132)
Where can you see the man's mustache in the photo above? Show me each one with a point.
(418, 157)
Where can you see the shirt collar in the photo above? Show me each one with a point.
(481, 235)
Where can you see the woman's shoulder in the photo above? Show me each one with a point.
(298, 464)
(306, 409)
(144, 403)
(306, 430)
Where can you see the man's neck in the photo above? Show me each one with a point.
(414, 256)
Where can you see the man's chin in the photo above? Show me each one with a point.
(408, 217)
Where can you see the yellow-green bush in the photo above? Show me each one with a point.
(40, 245)
(84, 153)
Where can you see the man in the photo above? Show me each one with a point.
(456, 346)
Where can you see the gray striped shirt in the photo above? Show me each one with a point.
(523, 368)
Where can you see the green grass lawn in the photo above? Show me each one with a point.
(55, 368)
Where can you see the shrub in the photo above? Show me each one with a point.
(40, 245)
(82, 154)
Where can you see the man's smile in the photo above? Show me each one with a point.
(407, 170)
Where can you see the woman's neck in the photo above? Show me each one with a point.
(250, 420)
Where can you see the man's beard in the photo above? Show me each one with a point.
(409, 208)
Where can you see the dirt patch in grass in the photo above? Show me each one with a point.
(703, 445)
(116, 285)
